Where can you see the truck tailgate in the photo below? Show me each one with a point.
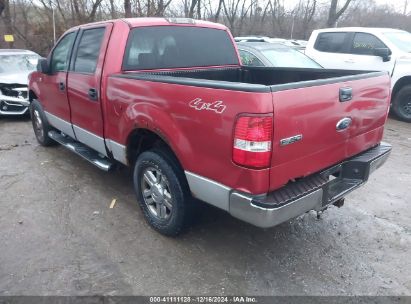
(306, 136)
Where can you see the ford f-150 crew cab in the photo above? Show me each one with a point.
(169, 98)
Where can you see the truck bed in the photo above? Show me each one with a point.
(252, 79)
(304, 102)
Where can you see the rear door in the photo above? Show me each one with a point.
(83, 85)
(318, 126)
(331, 50)
(54, 84)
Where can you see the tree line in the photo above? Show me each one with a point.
(31, 21)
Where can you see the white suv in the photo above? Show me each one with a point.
(359, 48)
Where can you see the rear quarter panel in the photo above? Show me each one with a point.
(201, 139)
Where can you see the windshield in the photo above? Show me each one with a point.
(287, 57)
(401, 40)
(18, 63)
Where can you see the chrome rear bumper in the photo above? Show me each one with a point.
(313, 192)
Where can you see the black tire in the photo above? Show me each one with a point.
(169, 188)
(41, 127)
(401, 105)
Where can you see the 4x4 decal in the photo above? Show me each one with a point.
(199, 104)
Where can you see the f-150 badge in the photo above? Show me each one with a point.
(199, 104)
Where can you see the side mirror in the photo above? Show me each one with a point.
(384, 53)
(43, 66)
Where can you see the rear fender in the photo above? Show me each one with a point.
(152, 118)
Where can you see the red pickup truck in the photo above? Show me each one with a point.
(170, 98)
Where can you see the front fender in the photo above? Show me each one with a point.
(34, 79)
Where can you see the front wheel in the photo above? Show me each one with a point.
(162, 192)
(401, 104)
(40, 125)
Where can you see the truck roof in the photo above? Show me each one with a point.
(153, 21)
(359, 29)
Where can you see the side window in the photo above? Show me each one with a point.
(365, 44)
(60, 55)
(88, 50)
(331, 42)
(249, 59)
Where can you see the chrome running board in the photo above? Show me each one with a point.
(87, 153)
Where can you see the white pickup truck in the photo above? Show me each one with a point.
(376, 49)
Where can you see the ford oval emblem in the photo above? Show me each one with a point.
(343, 124)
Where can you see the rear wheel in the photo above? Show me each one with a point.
(401, 104)
(162, 192)
(40, 124)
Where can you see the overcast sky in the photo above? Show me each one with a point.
(397, 4)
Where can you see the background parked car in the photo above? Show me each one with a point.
(377, 49)
(274, 55)
(15, 66)
(295, 44)
(252, 39)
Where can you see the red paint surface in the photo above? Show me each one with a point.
(203, 140)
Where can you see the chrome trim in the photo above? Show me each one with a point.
(343, 124)
(119, 151)
(101, 165)
(90, 139)
(291, 140)
(60, 124)
(252, 208)
(14, 102)
(21, 101)
(241, 207)
(209, 191)
(82, 150)
(23, 111)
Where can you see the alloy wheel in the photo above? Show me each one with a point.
(156, 193)
(38, 125)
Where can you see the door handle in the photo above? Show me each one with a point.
(349, 61)
(92, 94)
(62, 86)
(345, 94)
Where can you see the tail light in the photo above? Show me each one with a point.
(252, 141)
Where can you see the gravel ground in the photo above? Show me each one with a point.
(59, 236)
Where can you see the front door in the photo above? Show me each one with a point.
(362, 51)
(55, 101)
(83, 85)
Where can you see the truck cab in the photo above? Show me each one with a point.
(368, 49)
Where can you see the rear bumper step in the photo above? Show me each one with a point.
(87, 153)
(314, 192)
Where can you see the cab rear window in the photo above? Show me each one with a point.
(158, 47)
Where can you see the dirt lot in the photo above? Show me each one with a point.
(58, 235)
